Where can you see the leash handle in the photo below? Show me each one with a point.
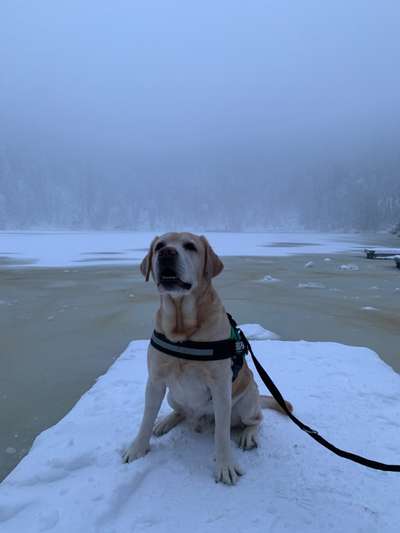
(273, 389)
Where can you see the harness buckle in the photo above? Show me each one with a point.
(244, 343)
(240, 347)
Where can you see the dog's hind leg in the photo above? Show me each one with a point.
(167, 423)
(268, 402)
(247, 416)
(248, 436)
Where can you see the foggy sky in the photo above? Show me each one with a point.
(198, 76)
(220, 86)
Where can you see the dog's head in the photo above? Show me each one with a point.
(180, 262)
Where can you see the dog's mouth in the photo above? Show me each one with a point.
(169, 280)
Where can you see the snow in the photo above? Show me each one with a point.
(66, 249)
(349, 267)
(270, 279)
(311, 285)
(10, 450)
(73, 479)
(258, 333)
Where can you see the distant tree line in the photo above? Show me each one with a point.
(358, 195)
(41, 190)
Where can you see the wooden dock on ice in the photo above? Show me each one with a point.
(384, 253)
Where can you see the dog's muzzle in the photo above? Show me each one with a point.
(168, 277)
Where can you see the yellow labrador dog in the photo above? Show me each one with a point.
(182, 266)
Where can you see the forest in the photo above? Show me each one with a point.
(42, 190)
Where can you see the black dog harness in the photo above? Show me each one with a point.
(233, 348)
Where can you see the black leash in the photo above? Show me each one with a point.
(314, 434)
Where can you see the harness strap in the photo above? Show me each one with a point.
(312, 432)
(233, 348)
(199, 351)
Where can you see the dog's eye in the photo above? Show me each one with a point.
(190, 246)
(159, 245)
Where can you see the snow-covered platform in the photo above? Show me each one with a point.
(73, 480)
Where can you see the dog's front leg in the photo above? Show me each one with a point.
(226, 470)
(155, 392)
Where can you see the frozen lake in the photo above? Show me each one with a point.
(72, 249)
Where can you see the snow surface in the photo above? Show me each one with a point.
(66, 249)
(258, 333)
(73, 479)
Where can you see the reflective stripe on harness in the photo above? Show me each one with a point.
(233, 348)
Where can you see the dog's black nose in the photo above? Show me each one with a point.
(167, 252)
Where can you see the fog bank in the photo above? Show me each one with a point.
(225, 115)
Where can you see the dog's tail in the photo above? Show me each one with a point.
(268, 402)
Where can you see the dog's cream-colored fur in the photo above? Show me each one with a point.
(197, 390)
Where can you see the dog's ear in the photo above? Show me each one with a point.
(145, 265)
(212, 263)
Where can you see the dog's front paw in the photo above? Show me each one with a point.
(135, 451)
(228, 473)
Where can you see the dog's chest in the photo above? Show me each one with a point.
(188, 388)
